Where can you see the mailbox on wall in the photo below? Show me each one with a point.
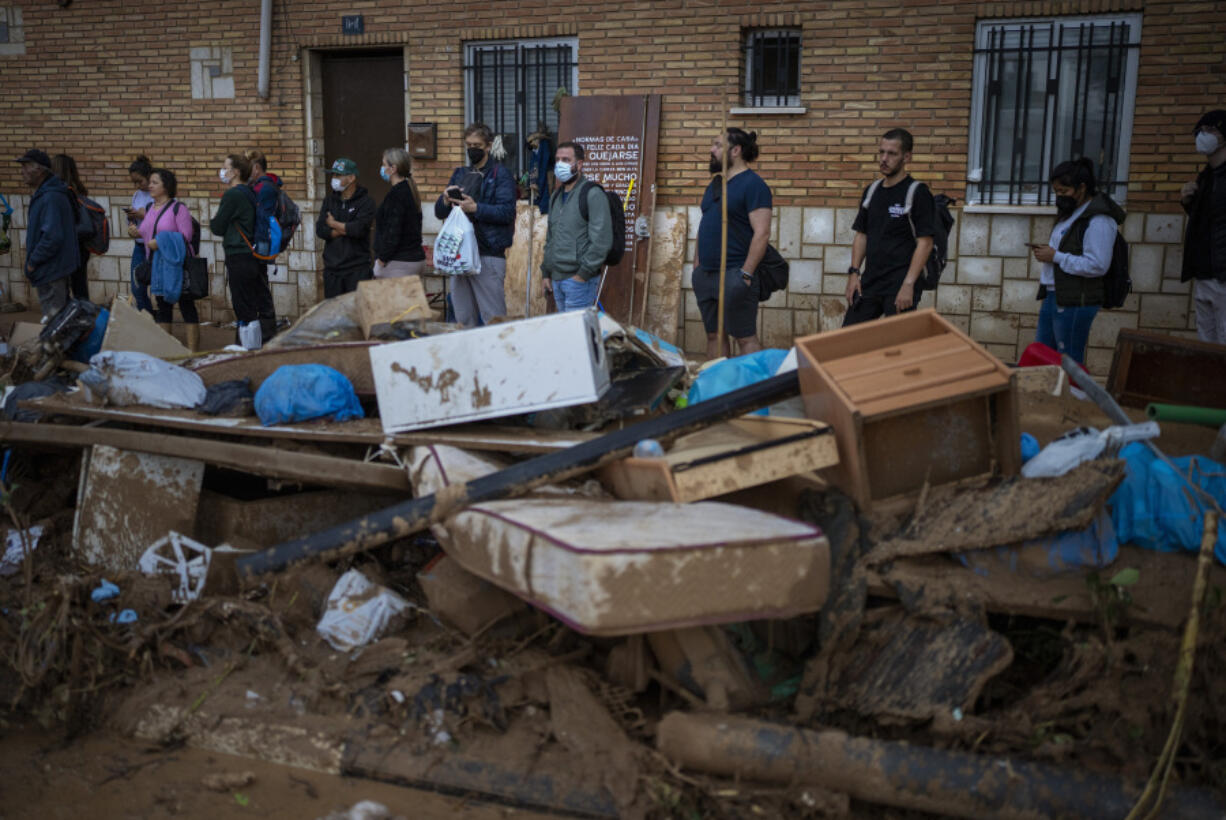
(423, 140)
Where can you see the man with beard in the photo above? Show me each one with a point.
(749, 228)
(892, 240)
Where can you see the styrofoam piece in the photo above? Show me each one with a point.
(616, 568)
(15, 548)
(358, 611)
(490, 372)
(184, 559)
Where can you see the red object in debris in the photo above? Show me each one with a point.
(1038, 354)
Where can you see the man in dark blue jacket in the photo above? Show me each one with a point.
(52, 253)
(485, 190)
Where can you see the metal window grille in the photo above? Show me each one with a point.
(510, 86)
(772, 67)
(1048, 91)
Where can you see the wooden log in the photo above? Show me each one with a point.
(248, 458)
(951, 784)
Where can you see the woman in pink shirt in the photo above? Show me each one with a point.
(168, 214)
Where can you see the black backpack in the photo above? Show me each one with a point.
(941, 226)
(1117, 283)
(92, 226)
(617, 214)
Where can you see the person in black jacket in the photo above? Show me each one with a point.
(51, 247)
(1204, 251)
(398, 250)
(344, 225)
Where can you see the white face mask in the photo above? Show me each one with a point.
(224, 174)
(1206, 143)
(563, 171)
(337, 185)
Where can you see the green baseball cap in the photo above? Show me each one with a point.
(343, 166)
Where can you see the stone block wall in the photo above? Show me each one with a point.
(988, 288)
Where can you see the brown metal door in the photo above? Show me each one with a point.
(363, 110)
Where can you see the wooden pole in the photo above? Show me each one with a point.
(723, 228)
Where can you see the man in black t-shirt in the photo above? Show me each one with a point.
(893, 239)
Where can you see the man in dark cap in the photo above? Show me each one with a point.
(1204, 242)
(51, 247)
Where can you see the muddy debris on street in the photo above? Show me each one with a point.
(645, 600)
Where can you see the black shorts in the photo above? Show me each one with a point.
(740, 303)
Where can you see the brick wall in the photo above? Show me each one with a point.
(93, 82)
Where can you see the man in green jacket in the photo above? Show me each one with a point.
(575, 245)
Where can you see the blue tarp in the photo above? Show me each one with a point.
(733, 374)
(1156, 509)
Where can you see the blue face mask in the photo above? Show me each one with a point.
(384, 175)
(563, 171)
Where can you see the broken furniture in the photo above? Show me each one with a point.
(350, 358)
(727, 457)
(1154, 367)
(912, 401)
(490, 372)
(415, 515)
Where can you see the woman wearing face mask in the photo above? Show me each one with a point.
(485, 190)
(139, 172)
(1075, 259)
(167, 215)
(398, 250)
(234, 221)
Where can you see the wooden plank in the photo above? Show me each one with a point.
(270, 462)
(357, 431)
(350, 358)
(132, 329)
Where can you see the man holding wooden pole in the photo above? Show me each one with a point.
(739, 243)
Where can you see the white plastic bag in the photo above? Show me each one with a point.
(126, 377)
(250, 336)
(358, 611)
(1084, 444)
(455, 247)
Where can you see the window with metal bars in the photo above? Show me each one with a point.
(510, 86)
(1046, 91)
(772, 67)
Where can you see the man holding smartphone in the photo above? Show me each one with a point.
(485, 191)
(893, 237)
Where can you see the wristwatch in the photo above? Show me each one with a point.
(854, 269)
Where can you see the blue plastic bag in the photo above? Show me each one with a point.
(1154, 507)
(91, 344)
(733, 374)
(297, 392)
(1094, 547)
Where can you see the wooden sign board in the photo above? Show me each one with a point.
(619, 135)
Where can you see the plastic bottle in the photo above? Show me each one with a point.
(648, 448)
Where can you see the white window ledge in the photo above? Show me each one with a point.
(766, 111)
(1025, 210)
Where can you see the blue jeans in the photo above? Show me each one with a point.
(572, 295)
(141, 295)
(1066, 329)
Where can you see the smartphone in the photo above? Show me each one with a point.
(455, 192)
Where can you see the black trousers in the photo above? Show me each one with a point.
(80, 277)
(876, 303)
(187, 307)
(337, 282)
(250, 294)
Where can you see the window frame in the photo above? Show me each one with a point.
(517, 155)
(1126, 94)
(749, 38)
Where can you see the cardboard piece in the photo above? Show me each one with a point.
(132, 329)
(23, 332)
(398, 299)
(128, 500)
(725, 458)
(462, 599)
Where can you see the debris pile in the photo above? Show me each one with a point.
(532, 563)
